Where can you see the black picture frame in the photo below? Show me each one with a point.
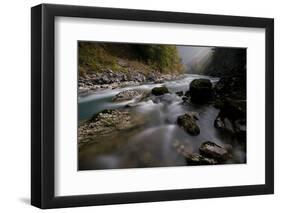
(43, 102)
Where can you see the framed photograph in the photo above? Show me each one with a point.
(138, 106)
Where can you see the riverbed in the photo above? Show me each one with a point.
(155, 143)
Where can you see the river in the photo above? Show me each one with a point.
(152, 144)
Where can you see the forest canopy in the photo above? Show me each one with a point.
(95, 57)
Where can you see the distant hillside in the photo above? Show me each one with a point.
(97, 57)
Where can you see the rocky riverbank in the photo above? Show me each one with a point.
(106, 123)
(107, 79)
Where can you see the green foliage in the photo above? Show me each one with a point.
(162, 57)
(99, 56)
(94, 57)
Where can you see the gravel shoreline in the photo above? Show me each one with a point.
(111, 80)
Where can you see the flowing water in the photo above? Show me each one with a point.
(152, 144)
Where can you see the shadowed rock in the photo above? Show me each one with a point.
(159, 91)
(180, 93)
(201, 91)
(232, 117)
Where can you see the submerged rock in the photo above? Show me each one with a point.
(159, 91)
(185, 99)
(179, 93)
(212, 150)
(201, 91)
(129, 95)
(223, 123)
(219, 123)
(182, 148)
(188, 123)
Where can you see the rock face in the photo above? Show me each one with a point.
(188, 123)
(240, 129)
(201, 91)
(230, 98)
(233, 109)
(159, 91)
(212, 150)
(232, 117)
(107, 122)
(234, 87)
(128, 95)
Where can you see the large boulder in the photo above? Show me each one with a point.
(212, 150)
(201, 91)
(188, 123)
(159, 90)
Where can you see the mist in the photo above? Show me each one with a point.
(194, 59)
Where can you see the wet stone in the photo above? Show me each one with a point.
(212, 150)
(188, 123)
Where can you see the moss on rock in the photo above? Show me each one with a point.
(159, 91)
(188, 123)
